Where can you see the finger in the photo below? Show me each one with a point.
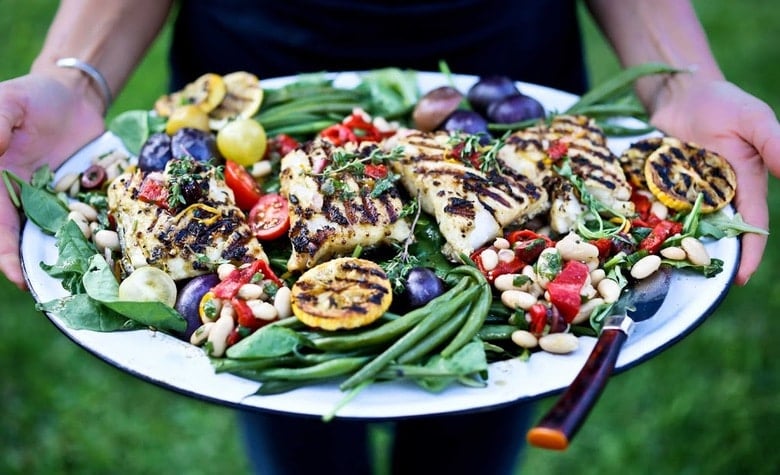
(762, 130)
(751, 204)
(10, 264)
(10, 118)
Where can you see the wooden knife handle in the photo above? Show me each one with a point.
(558, 426)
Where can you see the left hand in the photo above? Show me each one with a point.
(725, 119)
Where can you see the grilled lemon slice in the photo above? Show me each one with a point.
(633, 160)
(242, 100)
(676, 172)
(342, 293)
(207, 92)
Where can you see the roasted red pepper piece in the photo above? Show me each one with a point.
(377, 172)
(661, 232)
(537, 318)
(557, 150)
(228, 288)
(565, 289)
(338, 134)
(503, 267)
(153, 191)
(244, 315)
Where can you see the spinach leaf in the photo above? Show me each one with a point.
(133, 127)
(468, 361)
(74, 253)
(40, 204)
(267, 342)
(80, 312)
(101, 285)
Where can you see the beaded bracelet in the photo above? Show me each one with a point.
(93, 73)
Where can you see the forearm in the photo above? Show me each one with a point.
(666, 31)
(110, 35)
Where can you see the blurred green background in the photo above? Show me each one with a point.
(710, 404)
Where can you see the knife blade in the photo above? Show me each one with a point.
(639, 302)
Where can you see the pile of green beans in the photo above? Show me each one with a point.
(360, 357)
(304, 108)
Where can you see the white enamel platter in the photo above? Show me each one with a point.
(181, 367)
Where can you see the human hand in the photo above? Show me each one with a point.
(725, 119)
(42, 121)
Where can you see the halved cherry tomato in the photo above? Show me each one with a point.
(244, 187)
(270, 217)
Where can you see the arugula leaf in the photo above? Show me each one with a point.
(719, 225)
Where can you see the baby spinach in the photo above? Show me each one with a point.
(41, 205)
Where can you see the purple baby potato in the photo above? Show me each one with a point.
(188, 301)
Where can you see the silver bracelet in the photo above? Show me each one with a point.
(93, 73)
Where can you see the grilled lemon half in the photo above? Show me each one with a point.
(342, 293)
(677, 172)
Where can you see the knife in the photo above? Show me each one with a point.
(637, 303)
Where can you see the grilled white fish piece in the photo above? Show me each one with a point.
(332, 212)
(189, 240)
(579, 138)
(565, 207)
(471, 206)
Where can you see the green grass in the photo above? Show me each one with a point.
(707, 405)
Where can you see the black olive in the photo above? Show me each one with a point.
(93, 177)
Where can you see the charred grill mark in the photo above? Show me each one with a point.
(333, 213)
(370, 213)
(460, 207)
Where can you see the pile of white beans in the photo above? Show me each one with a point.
(523, 290)
(216, 330)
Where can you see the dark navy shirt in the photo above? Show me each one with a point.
(535, 41)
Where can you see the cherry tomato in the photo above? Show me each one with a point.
(243, 185)
(270, 217)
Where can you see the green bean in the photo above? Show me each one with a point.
(619, 84)
(437, 337)
(496, 332)
(389, 330)
(283, 113)
(476, 319)
(327, 369)
(408, 340)
(227, 365)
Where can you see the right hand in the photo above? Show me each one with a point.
(43, 120)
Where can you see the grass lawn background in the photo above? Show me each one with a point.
(710, 404)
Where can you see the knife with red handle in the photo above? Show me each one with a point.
(640, 302)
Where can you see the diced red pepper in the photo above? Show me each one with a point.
(503, 267)
(363, 130)
(661, 232)
(557, 150)
(528, 244)
(338, 134)
(537, 318)
(153, 191)
(604, 246)
(244, 315)
(234, 337)
(228, 288)
(375, 171)
(565, 289)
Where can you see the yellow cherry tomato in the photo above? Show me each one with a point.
(188, 115)
(242, 141)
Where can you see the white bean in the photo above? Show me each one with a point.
(645, 266)
(559, 343)
(82, 222)
(200, 335)
(251, 292)
(659, 209)
(573, 248)
(65, 183)
(586, 309)
(88, 211)
(609, 290)
(511, 282)
(262, 310)
(219, 334)
(674, 253)
(260, 169)
(224, 270)
(524, 339)
(282, 302)
(489, 259)
(596, 275)
(506, 255)
(106, 239)
(501, 243)
(695, 250)
(517, 299)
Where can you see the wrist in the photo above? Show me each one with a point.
(82, 79)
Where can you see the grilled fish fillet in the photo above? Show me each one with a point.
(332, 212)
(471, 206)
(589, 157)
(185, 242)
